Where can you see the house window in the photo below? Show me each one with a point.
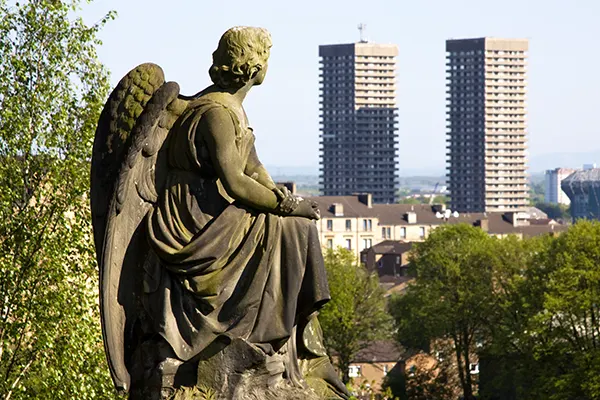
(367, 243)
(403, 233)
(348, 225)
(367, 225)
(422, 232)
(349, 244)
(386, 232)
(330, 243)
(474, 369)
(354, 371)
(398, 260)
(385, 370)
(329, 224)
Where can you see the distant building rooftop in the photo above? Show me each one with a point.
(396, 214)
(586, 175)
(391, 247)
(379, 351)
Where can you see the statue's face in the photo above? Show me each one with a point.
(260, 77)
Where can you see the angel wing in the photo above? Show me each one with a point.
(125, 180)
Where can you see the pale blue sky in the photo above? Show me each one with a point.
(564, 63)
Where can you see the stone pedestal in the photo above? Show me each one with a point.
(243, 372)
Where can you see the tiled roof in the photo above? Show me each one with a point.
(395, 214)
(379, 351)
(391, 247)
(394, 284)
(388, 214)
(542, 221)
(536, 213)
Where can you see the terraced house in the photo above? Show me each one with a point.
(356, 223)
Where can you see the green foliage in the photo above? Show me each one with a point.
(509, 369)
(528, 310)
(424, 384)
(52, 88)
(356, 314)
(537, 192)
(199, 392)
(555, 211)
(570, 321)
(410, 200)
(451, 297)
(439, 199)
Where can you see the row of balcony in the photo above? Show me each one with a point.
(500, 149)
(363, 74)
(502, 68)
(498, 177)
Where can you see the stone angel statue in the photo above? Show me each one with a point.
(211, 276)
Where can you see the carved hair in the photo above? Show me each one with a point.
(242, 52)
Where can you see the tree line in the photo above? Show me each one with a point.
(52, 88)
(526, 311)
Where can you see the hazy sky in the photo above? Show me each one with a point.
(564, 63)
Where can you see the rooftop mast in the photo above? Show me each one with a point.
(362, 28)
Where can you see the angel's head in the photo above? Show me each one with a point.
(242, 56)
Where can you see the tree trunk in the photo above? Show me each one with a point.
(344, 366)
(459, 363)
(468, 387)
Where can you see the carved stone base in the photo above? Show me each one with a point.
(243, 372)
(239, 371)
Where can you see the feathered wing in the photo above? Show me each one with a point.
(126, 176)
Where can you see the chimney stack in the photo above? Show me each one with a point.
(338, 209)
(484, 224)
(366, 199)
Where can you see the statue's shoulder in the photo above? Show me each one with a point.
(210, 101)
(203, 102)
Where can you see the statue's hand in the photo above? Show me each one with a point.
(290, 204)
(307, 209)
(287, 201)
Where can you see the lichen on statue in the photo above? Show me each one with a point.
(202, 256)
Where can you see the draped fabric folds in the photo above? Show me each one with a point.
(219, 269)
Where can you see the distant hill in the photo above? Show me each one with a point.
(425, 179)
(537, 164)
(278, 170)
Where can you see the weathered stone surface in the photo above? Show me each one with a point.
(198, 247)
(243, 372)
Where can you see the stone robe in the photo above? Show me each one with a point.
(221, 270)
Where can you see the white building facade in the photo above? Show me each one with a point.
(554, 194)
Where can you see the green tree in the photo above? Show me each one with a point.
(410, 200)
(439, 199)
(568, 329)
(356, 314)
(544, 330)
(509, 366)
(537, 192)
(426, 384)
(555, 211)
(450, 299)
(52, 88)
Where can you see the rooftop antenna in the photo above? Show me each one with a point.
(363, 30)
